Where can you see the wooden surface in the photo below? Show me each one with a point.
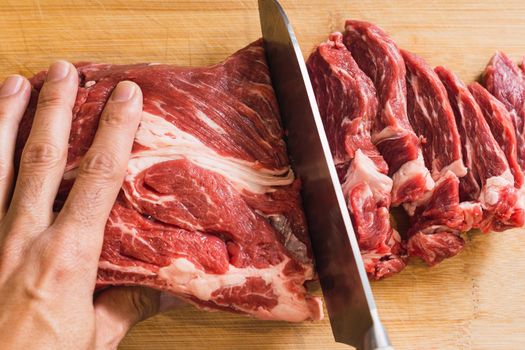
(473, 301)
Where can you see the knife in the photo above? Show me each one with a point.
(351, 307)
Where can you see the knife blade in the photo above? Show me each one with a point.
(351, 307)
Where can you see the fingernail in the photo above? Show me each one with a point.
(11, 85)
(123, 92)
(58, 71)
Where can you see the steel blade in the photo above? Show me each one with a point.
(347, 293)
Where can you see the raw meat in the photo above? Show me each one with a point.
(378, 56)
(438, 218)
(456, 156)
(506, 82)
(489, 179)
(502, 128)
(347, 102)
(500, 123)
(209, 209)
(430, 114)
(434, 234)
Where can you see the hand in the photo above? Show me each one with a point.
(48, 262)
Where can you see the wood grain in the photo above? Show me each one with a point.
(473, 301)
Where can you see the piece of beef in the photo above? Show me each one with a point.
(501, 126)
(347, 102)
(504, 79)
(489, 179)
(378, 56)
(500, 122)
(209, 209)
(434, 234)
(439, 214)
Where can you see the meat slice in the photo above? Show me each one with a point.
(438, 216)
(378, 56)
(434, 234)
(504, 79)
(489, 179)
(209, 209)
(501, 126)
(432, 118)
(347, 102)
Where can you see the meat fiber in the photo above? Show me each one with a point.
(209, 209)
(347, 102)
(504, 79)
(378, 56)
(438, 214)
(489, 179)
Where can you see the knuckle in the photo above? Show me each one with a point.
(101, 165)
(113, 116)
(51, 99)
(42, 155)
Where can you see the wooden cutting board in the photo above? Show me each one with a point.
(473, 301)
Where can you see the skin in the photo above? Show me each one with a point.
(48, 261)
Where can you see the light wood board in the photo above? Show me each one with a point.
(473, 301)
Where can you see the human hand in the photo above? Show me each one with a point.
(48, 262)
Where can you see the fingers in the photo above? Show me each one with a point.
(44, 155)
(102, 170)
(120, 308)
(14, 97)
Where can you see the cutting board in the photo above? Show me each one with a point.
(473, 301)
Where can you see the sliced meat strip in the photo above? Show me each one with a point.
(348, 104)
(489, 179)
(378, 56)
(430, 114)
(504, 79)
(439, 213)
(501, 126)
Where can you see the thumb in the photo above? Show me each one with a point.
(118, 309)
